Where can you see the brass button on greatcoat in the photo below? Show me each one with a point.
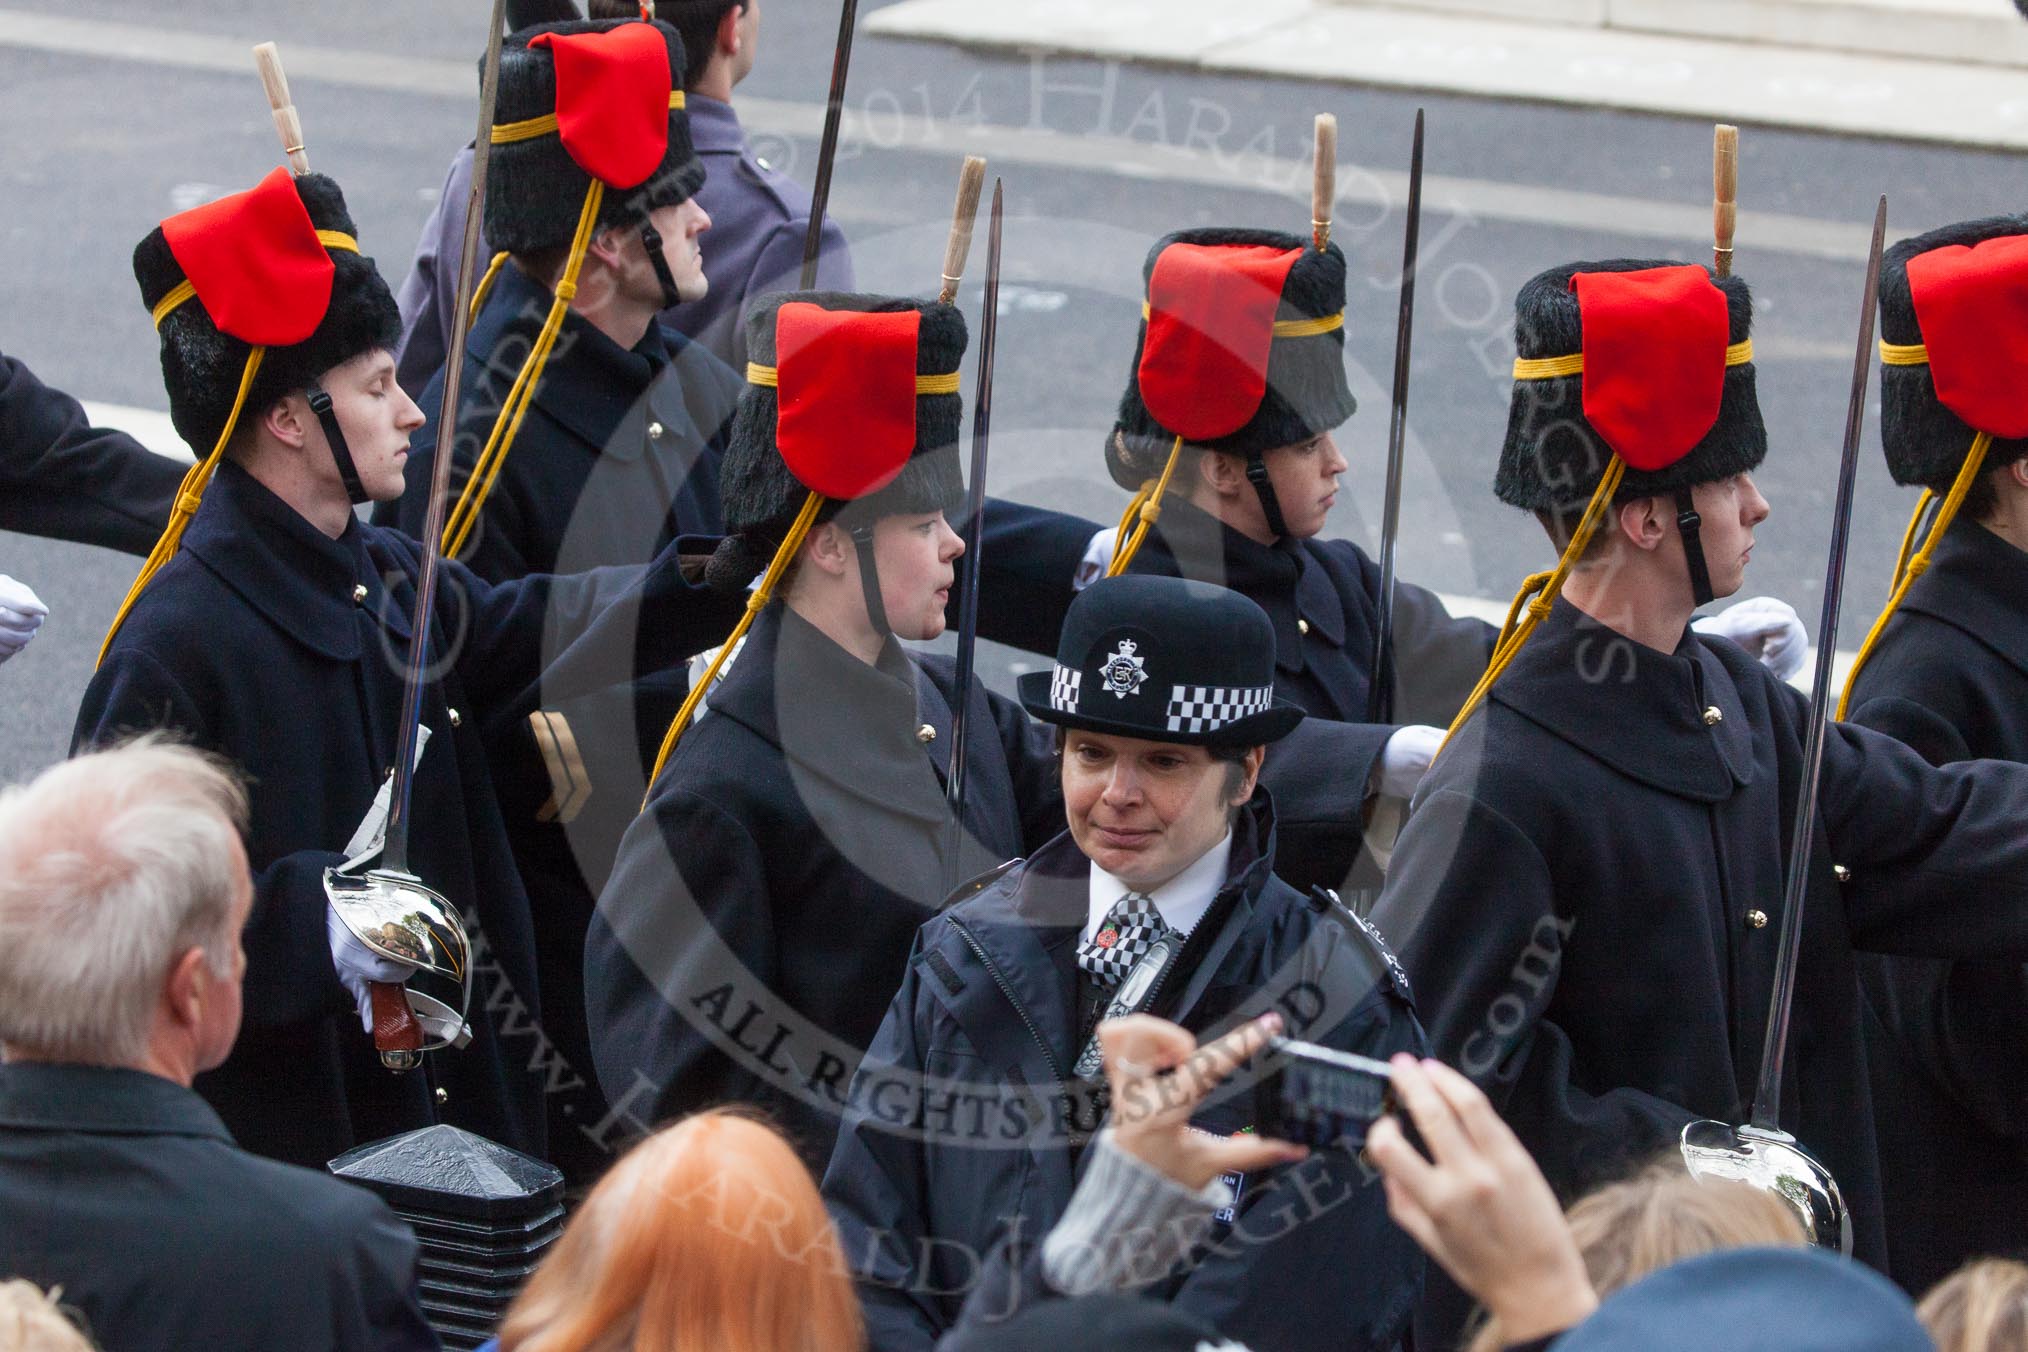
(925, 734)
(1713, 716)
(359, 594)
(455, 720)
(1843, 874)
(443, 1097)
(1756, 919)
(655, 431)
(1302, 626)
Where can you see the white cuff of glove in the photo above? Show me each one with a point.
(1098, 556)
(1768, 629)
(359, 966)
(1406, 757)
(21, 615)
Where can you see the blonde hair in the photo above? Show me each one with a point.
(33, 1322)
(1981, 1306)
(710, 1234)
(1661, 1216)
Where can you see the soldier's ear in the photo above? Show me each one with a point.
(728, 36)
(287, 420)
(1223, 474)
(829, 550)
(1644, 523)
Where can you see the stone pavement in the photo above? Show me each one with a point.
(1953, 71)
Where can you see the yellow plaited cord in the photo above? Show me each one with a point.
(1571, 364)
(937, 382)
(1975, 460)
(1909, 537)
(188, 496)
(486, 470)
(1548, 587)
(1146, 508)
(1286, 328)
(506, 133)
(484, 289)
(756, 602)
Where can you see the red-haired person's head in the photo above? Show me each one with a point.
(709, 1234)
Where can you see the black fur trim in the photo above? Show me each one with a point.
(762, 497)
(1926, 442)
(201, 367)
(1553, 457)
(1306, 388)
(534, 190)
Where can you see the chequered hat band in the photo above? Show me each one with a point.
(1063, 688)
(1207, 708)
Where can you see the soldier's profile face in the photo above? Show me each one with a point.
(680, 227)
(917, 555)
(1730, 509)
(377, 417)
(1305, 479)
(1144, 811)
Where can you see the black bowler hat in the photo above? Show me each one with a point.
(1165, 659)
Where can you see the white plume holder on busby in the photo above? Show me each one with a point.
(1953, 380)
(1634, 378)
(1241, 350)
(1165, 659)
(589, 133)
(483, 1216)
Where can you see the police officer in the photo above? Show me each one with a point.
(761, 908)
(968, 1118)
(272, 626)
(1948, 675)
(760, 214)
(1587, 892)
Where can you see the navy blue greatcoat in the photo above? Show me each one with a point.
(1950, 1069)
(959, 1144)
(1588, 895)
(267, 641)
(617, 455)
(790, 850)
(63, 478)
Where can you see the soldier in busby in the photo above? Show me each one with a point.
(272, 626)
(970, 1116)
(588, 434)
(1945, 669)
(1589, 889)
(761, 909)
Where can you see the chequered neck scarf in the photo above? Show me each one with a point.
(1127, 933)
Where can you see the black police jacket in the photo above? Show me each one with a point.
(127, 1191)
(1588, 895)
(959, 1141)
(761, 909)
(63, 478)
(267, 641)
(617, 456)
(1950, 1069)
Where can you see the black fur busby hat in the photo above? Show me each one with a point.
(535, 186)
(1554, 457)
(761, 494)
(1167, 659)
(202, 366)
(1305, 389)
(1925, 441)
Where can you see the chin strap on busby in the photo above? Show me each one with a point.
(1264, 489)
(1689, 522)
(869, 577)
(651, 240)
(341, 452)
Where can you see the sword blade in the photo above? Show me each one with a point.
(395, 855)
(975, 529)
(1767, 1099)
(827, 148)
(1380, 692)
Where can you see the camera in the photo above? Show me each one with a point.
(1320, 1097)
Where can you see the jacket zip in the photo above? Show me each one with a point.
(979, 952)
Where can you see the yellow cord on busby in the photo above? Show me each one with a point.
(1906, 568)
(1141, 514)
(189, 494)
(1546, 586)
(486, 470)
(484, 289)
(756, 602)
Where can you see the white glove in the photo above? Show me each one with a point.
(1767, 628)
(358, 966)
(1406, 757)
(1098, 556)
(21, 614)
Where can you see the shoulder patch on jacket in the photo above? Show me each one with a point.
(945, 973)
(1328, 902)
(973, 886)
